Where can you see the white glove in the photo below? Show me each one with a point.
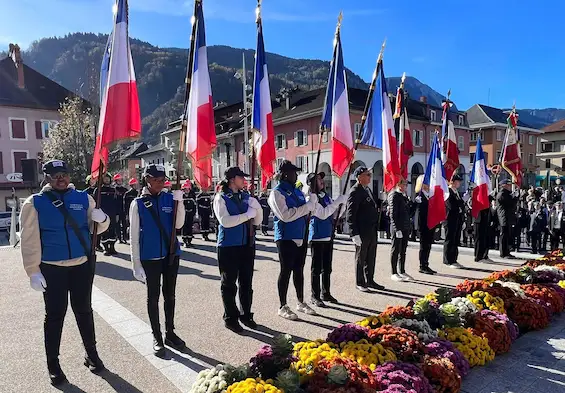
(98, 215)
(466, 196)
(313, 198)
(251, 213)
(356, 240)
(340, 200)
(177, 195)
(418, 199)
(254, 203)
(139, 272)
(399, 234)
(37, 282)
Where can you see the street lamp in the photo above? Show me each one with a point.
(246, 105)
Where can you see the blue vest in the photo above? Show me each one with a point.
(58, 240)
(293, 230)
(321, 229)
(152, 245)
(238, 235)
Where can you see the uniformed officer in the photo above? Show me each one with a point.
(264, 202)
(121, 225)
(129, 197)
(108, 205)
(455, 207)
(237, 212)
(291, 212)
(151, 222)
(91, 185)
(189, 212)
(55, 234)
(426, 233)
(204, 204)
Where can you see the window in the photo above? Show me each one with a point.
(547, 164)
(530, 139)
(46, 127)
(499, 135)
(547, 147)
(326, 136)
(418, 138)
(279, 163)
(433, 115)
(17, 157)
(300, 138)
(475, 136)
(280, 141)
(461, 120)
(18, 129)
(301, 163)
(461, 143)
(498, 157)
(357, 130)
(531, 159)
(1, 163)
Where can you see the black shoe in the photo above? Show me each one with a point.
(174, 341)
(93, 362)
(158, 348)
(376, 286)
(99, 248)
(317, 302)
(329, 298)
(427, 270)
(248, 321)
(56, 375)
(362, 288)
(510, 256)
(233, 325)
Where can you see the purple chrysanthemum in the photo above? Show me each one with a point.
(445, 349)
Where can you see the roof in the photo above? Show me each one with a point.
(555, 127)
(154, 149)
(134, 150)
(40, 92)
(481, 114)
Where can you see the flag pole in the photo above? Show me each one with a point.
(184, 125)
(94, 242)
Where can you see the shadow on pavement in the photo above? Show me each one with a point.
(337, 320)
(355, 307)
(400, 294)
(197, 258)
(273, 333)
(116, 272)
(118, 383)
(452, 276)
(69, 388)
(177, 357)
(196, 272)
(322, 325)
(203, 358)
(477, 269)
(433, 284)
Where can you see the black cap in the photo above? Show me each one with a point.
(154, 170)
(312, 176)
(287, 166)
(55, 166)
(360, 170)
(234, 171)
(456, 177)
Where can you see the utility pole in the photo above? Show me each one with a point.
(245, 119)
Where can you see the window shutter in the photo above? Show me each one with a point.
(295, 138)
(38, 130)
(284, 142)
(1, 163)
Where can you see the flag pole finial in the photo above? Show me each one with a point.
(258, 11)
(448, 94)
(339, 19)
(381, 53)
(402, 80)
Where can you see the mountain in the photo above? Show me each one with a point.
(539, 118)
(416, 89)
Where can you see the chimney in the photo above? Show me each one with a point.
(424, 99)
(14, 53)
(287, 102)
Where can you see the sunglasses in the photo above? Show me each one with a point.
(59, 176)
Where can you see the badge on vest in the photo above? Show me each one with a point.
(167, 209)
(75, 206)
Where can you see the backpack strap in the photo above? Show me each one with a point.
(149, 205)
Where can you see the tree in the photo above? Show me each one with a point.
(72, 139)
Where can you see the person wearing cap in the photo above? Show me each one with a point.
(55, 255)
(121, 225)
(189, 202)
(91, 185)
(426, 233)
(237, 212)
(506, 210)
(400, 229)
(151, 222)
(453, 225)
(129, 197)
(320, 238)
(291, 211)
(264, 202)
(204, 204)
(482, 231)
(362, 218)
(109, 206)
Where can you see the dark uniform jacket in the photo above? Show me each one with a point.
(506, 208)
(120, 193)
(455, 208)
(361, 212)
(108, 200)
(129, 196)
(399, 212)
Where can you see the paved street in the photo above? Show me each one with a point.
(125, 342)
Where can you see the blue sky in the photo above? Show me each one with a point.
(511, 47)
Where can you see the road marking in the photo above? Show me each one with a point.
(179, 368)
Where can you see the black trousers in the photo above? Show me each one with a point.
(545, 239)
(481, 241)
(236, 266)
(505, 238)
(365, 258)
(426, 241)
(75, 281)
(121, 226)
(535, 239)
(154, 270)
(109, 236)
(292, 259)
(187, 228)
(556, 237)
(265, 222)
(204, 222)
(322, 254)
(398, 253)
(451, 243)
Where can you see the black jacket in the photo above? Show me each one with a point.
(506, 208)
(108, 200)
(120, 193)
(129, 196)
(399, 213)
(455, 209)
(204, 203)
(361, 211)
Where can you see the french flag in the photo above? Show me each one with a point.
(403, 133)
(479, 177)
(262, 117)
(438, 192)
(336, 112)
(450, 152)
(201, 131)
(119, 114)
(378, 130)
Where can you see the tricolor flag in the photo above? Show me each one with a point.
(105, 67)
(511, 155)
(438, 192)
(479, 177)
(378, 131)
(262, 117)
(199, 116)
(450, 153)
(119, 114)
(403, 133)
(336, 112)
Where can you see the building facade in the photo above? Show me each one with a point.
(551, 154)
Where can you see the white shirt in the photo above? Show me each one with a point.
(134, 226)
(277, 202)
(227, 220)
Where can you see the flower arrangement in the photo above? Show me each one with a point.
(469, 286)
(212, 380)
(366, 353)
(335, 378)
(356, 373)
(500, 291)
(450, 314)
(505, 275)
(403, 342)
(475, 349)
(445, 349)
(527, 314)
(374, 321)
(560, 290)
(561, 283)
(270, 360)
(515, 287)
(525, 275)
(548, 274)
(442, 374)
(502, 318)
(465, 307)
(348, 332)
(421, 328)
(251, 385)
(308, 354)
(409, 376)
(431, 297)
(484, 300)
(426, 310)
(496, 332)
(545, 294)
(398, 312)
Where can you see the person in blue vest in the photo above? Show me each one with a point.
(291, 211)
(237, 213)
(320, 238)
(55, 254)
(151, 222)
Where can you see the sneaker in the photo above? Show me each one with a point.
(456, 265)
(317, 302)
(396, 277)
(329, 298)
(158, 348)
(303, 307)
(248, 321)
(174, 341)
(287, 313)
(406, 277)
(362, 288)
(233, 325)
